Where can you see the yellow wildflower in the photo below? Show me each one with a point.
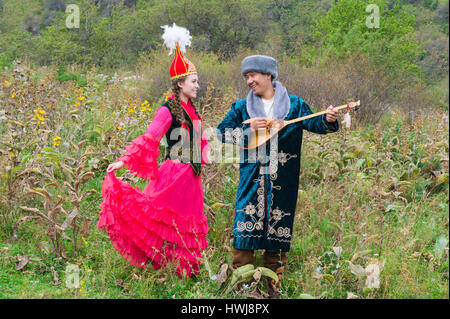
(81, 98)
(77, 104)
(56, 141)
(131, 108)
(37, 115)
(144, 106)
(13, 95)
(6, 84)
(119, 128)
(167, 98)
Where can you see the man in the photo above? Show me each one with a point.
(268, 185)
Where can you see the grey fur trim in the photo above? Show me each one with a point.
(281, 103)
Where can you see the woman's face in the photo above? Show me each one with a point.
(189, 87)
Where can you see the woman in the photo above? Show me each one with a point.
(164, 223)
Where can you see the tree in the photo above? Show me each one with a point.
(294, 20)
(344, 31)
(55, 5)
(217, 25)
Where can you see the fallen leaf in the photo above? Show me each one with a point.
(136, 277)
(337, 251)
(22, 261)
(162, 279)
(55, 281)
(86, 226)
(443, 178)
(44, 246)
(255, 295)
(351, 295)
(121, 283)
(222, 276)
(436, 173)
(257, 275)
(357, 270)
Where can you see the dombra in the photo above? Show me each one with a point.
(259, 137)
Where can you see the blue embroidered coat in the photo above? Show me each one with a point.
(268, 185)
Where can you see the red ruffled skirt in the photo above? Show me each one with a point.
(164, 223)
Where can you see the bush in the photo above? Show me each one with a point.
(64, 76)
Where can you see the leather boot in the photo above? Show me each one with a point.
(242, 257)
(276, 263)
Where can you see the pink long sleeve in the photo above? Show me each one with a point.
(141, 154)
(160, 124)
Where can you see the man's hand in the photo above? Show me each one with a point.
(258, 123)
(276, 124)
(331, 114)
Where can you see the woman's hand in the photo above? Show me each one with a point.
(115, 166)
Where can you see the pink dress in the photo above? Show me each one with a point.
(164, 223)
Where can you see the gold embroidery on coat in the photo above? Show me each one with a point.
(282, 234)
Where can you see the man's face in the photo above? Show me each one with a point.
(258, 82)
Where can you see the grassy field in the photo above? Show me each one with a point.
(374, 197)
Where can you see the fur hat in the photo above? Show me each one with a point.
(260, 63)
(177, 38)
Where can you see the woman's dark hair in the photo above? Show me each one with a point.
(177, 109)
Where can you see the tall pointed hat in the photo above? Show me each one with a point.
(176, 39)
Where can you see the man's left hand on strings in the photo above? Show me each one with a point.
(276, 124)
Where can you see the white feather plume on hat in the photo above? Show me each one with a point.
(175, 34)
